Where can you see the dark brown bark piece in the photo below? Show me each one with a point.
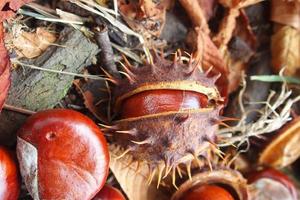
(36, 90)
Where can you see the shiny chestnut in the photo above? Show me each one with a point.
(273, 184)
(62, 155)
(109, 193)
(208, 192)
(9, 179)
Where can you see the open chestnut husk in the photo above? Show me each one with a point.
(62, 155)
(9, 176)
(272, 184)
(109, 193)
(226, 183)
(282, 149)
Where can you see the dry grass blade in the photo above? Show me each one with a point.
(274, 114)
(50, 19)
(94, 77)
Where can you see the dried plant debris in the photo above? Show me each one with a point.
(134, 177)
(44, 76)
(30, 44)
(161, 79)
(9, 7)
(286, 13)
(144, 16)
(274, 114)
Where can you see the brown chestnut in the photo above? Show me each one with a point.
(9, 179)
(62, 155)
(272, 184)
(109, 193)
(208, 192)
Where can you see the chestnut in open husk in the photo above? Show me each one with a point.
(62, 155)
(228, 183)
(167, 113)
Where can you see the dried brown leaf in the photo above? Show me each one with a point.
(8, 8)
(238, 3)
(4, 69)
(31, 45)
(209, 56)
(226, 28)
(133, 182)
(286, 13)
(198, 12)
(286, 50)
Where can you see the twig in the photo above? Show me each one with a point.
(106, 53)
(17, 109)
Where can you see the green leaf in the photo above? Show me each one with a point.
(275, 78)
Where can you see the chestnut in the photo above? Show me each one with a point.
(9, 179)
(62, 155)
(208, 192)
(225, 184)
(109, 193)
(272, 184)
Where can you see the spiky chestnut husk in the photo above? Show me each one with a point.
(228, 179)
(170, 134)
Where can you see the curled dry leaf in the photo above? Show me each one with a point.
(236, 42)
(62, 155)
(8, 8)
(226, 28)
(31, 44)
(238, 3)
(284, 149)
(4, 69)
(208, 55)
(144, 16)
(199, 12)
(286, 13)
(285, 50)
(133, 179)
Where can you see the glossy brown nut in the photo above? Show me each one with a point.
(158, 101)
(109, 193)
(208, 192)
(273, 174)
(62, 155)
(9, 179)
